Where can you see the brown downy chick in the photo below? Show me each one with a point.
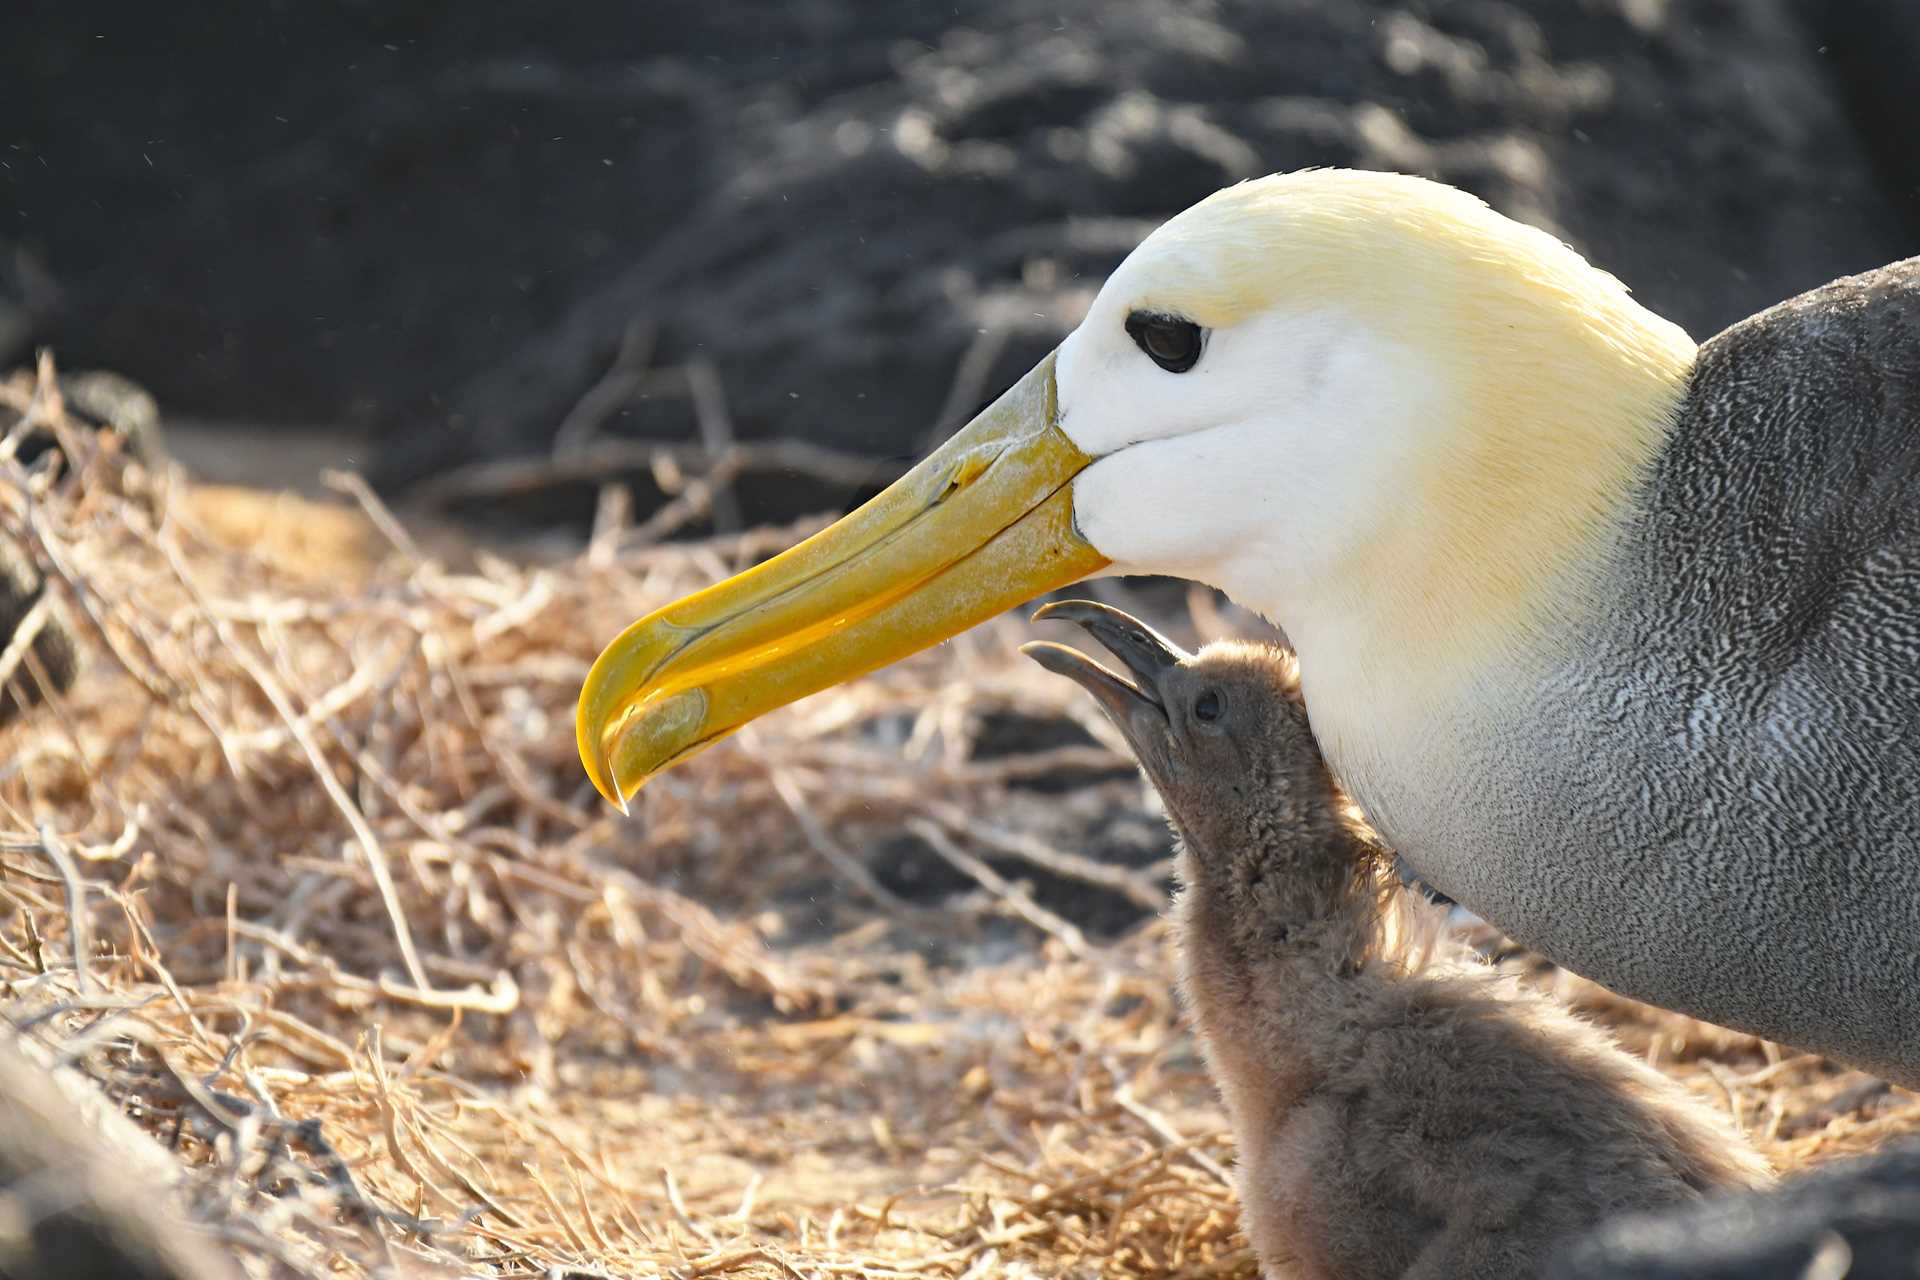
(1400, 1109)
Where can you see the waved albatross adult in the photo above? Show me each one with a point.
(1615, 638)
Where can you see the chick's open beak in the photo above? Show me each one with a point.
(983, 523)
(1146, 654)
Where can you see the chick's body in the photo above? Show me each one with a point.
(1442, 1124)
(1400, 1109)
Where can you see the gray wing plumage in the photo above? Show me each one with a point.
(1714, 803)
(1797, 462)
(1711, 799)
(1778, 566)
(1783, 539)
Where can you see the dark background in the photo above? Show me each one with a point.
(427, 225)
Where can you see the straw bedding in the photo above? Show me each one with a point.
(303, 879)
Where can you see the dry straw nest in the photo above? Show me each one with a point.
(302, 878)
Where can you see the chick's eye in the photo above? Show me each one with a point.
(1206, 707)
(1170, 342)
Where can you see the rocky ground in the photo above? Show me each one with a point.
(436, 227)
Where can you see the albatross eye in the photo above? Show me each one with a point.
(1206, 707)
(1170, 342)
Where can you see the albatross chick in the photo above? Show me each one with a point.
(1400, 1109)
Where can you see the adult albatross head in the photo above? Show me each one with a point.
(1365, 405)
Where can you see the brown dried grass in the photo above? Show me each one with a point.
(305, 875)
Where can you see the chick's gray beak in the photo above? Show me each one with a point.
(1146, 654)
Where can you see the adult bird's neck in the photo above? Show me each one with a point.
(1503, 547)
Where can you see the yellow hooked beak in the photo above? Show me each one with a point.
(982, 524)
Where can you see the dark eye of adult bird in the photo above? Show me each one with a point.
(1172, 343)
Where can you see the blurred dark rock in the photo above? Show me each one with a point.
(106, 401)
(1871, 49)
(84, 1193)
(1107, 826)
(437, 223)
(53, 648)
(1858, 1219)
(96, 401)
(1007, 733)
